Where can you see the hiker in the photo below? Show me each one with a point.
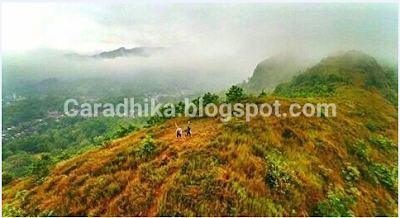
(178, 132)
(188, 130)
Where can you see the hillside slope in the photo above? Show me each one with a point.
(270, 166)
(274, 71)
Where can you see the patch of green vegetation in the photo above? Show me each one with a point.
(210, 98)
(7, 177)
(148, 145)
(386, 83)
(122, 131)
(40, 168)
(10, 210)
(382, 142)
(351, 174)
(278, 176)
(235, 94)
(337, 205)
(310, 85)
(64, 139)
(146, 150)
(371, 126)
(385, 176)
(245, 200)
(360, 150)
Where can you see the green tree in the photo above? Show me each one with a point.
(235, 93)
(209, 98)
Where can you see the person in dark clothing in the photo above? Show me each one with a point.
(188, 130)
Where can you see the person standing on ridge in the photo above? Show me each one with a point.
(188, 130)
(178, 132)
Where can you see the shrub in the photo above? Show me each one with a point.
(148, 145)
(40, 168)
(7, 178)
(337, 204)
(10, 210)
(384, 175)
(351, 174)
(277, 176)
(123, 131)
(360, 150)
(155, 119)
(382, 142)
(371, 126)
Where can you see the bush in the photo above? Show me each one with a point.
(337, 204)
(145, 151)
(382, 142)
(123, 131)
(148, 145)
(360, 150)
(371, 126)
(351, 174)
(7, 178)
(384, 175)
(40, 168)
(10, 210)
(278, 177)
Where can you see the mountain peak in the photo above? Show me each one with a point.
(352, 58)
(352, 68)
(121, 52)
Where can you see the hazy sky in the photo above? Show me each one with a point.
(226, 38)
(216, 28)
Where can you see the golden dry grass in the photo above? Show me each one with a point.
(236, 168)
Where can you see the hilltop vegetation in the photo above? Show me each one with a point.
(354, 68)
(274, 71)
(270, 166)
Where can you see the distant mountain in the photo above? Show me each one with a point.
(273, 71)
(121, 52)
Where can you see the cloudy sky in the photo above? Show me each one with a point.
(212, 38)
(216, 28)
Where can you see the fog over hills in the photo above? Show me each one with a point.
(200, 40)
(120, 52)
(335, 155)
